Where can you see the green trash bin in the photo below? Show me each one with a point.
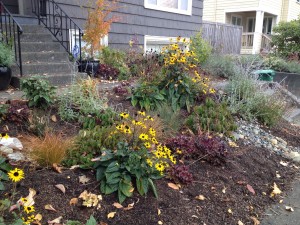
(265, 75)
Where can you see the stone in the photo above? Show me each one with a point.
(293, 154)
(6, 150)
(241, 136)
(296, 159)
(256, 131)
(17, 156)
(274, 141)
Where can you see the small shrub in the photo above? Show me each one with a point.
(121, 90)
(183, 144)
(276, 63)
(212, 149)
(6, 55)
(147, 96)
(18, 112)
(201, 48)
(3, 111)
(38, 91)
(4, 168)
(211, 116)
(49, 149)
(220, 65)
(38, 123)
(181, 174)
(293, 67)
(107, 72)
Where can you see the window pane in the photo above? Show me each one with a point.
(184, 5)
(239, 21)
(169, 4)
(152, 2)
(233, 20)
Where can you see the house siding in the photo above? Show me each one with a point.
(136, 20)
(294, 10)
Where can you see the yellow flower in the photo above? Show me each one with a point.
(178, 151)
(159, 148)
(24, 200)
(29, 209)
(143, 137)
(119, 127)
(152, 132)
(5, 136)
(154, 141)
(16, 175)
(212, 91)
(150, 118)
(147, 145)
(142, 113)
(159, 167)
(124, 115)
(149, 162)
(173, 160)
(127, 130)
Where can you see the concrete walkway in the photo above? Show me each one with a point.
(278, 215)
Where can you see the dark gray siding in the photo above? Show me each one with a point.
(136, 20)
(11, 5)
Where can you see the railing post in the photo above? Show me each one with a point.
(20, 55)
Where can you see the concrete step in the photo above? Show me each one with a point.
(34, 57)
(36, 37)
(41, 47)
(43, 68)
(24, 19)
(34, 29)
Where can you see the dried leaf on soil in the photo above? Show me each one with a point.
(173, 186)
(83, 179)
(53, 118)
(277, 174)
(160, 223)
(250, 188)
(229, 211)
(73, 201)
(74, 167)
(111, 215)
(56, 220)
(158, 212)
(240, 223)
(284, 163)
(200, 197)
(102, 223)
(50, 207)
(29, 198)
(276, 190)
(38, 217)
(289, 208)
(224, 190)
(117, 205)
(255, 220)
(130, 206)
(90, 199)
(56, 168)
(61, 187)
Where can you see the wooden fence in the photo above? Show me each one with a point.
(224, 38)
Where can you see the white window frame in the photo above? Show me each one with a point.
(179, 11)
(160, 38)
(103, 41)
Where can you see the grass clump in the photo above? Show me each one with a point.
(49, 149)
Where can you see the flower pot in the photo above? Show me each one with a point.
(89, 66)
(5, 77)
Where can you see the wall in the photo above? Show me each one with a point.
(11, 5)
(139, 21)
(294, 10)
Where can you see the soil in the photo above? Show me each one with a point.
(238, 190)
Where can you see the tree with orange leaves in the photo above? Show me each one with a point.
(98, 24)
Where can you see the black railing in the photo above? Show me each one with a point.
(63, 28)
(10, 32)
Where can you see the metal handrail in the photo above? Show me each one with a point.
(10, 33)
(63, 27)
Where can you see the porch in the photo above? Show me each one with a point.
(257, 29)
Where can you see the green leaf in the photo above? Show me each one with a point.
(3, 176)
(153, 188)
(2, 188)
(134, 101)
(113, 178)
(142, 185)
(100, 173)
(91, 221)
(159, 97)
(126, 188)
(113, 167)
(121, 196)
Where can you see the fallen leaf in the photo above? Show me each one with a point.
(102, 223)
(255, 220)
(194, 216)
(61, 187)
(56, 168)
(240, 223)
(281, 201)
(117, 205)
(230, 211)
(277, 174)
(200, 197)
(173, 186)
(74, 201)
(130, 206)
(111, 215)
(250, 188)
(240, 182)
(289, 208)
(158, 212)
(30, 201)
(160, 222)
(224, 190)
(38, 217)
(53, 118)
(284, 163)
(74, 167)
(13, 207)
(50, 207)
(83, 179)
(276, 190)
(57, 220)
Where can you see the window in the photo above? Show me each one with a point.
(155, 43)
(174, 6)
(267, 25)
(251, 24)
(236, 20)
(74, 41)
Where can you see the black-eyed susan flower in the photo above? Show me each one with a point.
(159, 167)
(16, 175)
(144, 137)
(150, 118)
(24, 200)
(127, 130)
(154, 141)
(29, 209)
(147, 145)
(149, 162)
(142, 113)
(152, 132)
(124, 115)
(119, 127)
